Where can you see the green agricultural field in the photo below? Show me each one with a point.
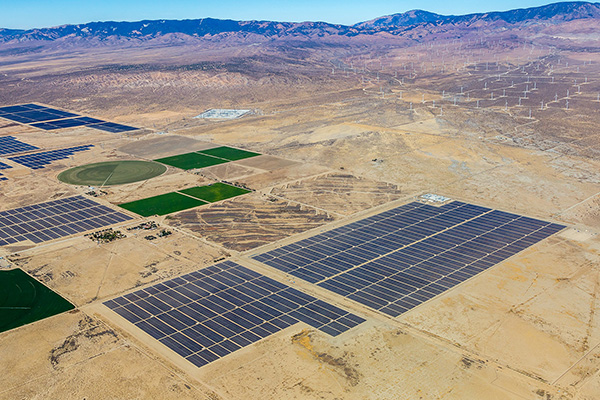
(229, 153)
(24, 300)
(191, 161)
(112, 173)
(215, 192)
(162, 204)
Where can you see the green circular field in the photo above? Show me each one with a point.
(112, 173)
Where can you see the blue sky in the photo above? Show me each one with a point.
(25, 14)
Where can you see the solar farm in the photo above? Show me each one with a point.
(50, 119)
(223, 210)
(4, 166)
(55, 219)
(278, 256)
(10, 145)
(211, 313)
(70, 217)
(44, 158)
(396, 260)
(334, 281)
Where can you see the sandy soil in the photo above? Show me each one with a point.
(154, 147)
(74, 356)
(249, 221)
(339, 193)
(83, 271)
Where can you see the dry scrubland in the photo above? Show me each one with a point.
(335, 146)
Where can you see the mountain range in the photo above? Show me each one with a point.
(396, 24)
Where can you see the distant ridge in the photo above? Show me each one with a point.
(210, 28)
(564, 11)
(191, 27)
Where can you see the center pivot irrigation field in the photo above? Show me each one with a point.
(184, 199)
(24, 300)
(112, 173)
(206, 158)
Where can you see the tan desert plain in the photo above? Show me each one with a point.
(340, 127)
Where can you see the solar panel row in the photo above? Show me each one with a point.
(50, 119)
(38, 115)
(66, 123)
(10, 145)
(40, 160)
(395, 260)
(210, 313)
(20, 108)
(55, 219)
(3, 166)
(113, 128)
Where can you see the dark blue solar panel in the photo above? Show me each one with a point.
(35, 115)
(13, 109)
(90, 120)
(400, 258)
(234, 308)
(32, 113)
(18, 118)
(10, 145)
(113, 128)
(67, 123)
(34, 106)
(62, 114)
(64, 123)
(37, 224)
(45, 126)
(47, 118)
(40, 160)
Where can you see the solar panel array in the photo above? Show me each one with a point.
(40, 160)
(113, 128)
(3, 166)
(10, 145)
(398, 259)
(55, 219)
(207, 314)
(50, 119)
(66, 123)
(31, 113)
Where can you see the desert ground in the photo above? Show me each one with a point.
(344, 134)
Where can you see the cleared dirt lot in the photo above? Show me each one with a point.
(249, 221)
(83, 271)
(153, 147)
(338, 193)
